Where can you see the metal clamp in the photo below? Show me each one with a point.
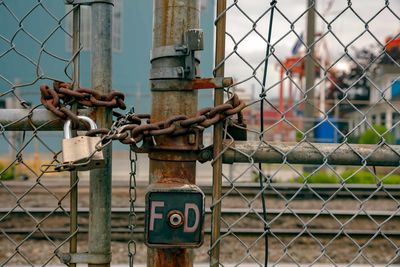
(167, 73)
(167, 51)
(88, 2)
(194, 41)
(68, 258)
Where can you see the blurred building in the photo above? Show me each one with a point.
(36, 43)
(36, 47)
(384, 94)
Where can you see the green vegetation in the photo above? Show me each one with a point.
(392, 179)
(319, 177)
(299, 136)
(361, 177)
(348, 176)
(6, 174)
(371, 137)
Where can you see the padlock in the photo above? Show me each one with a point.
(237, 130)
(80, 151)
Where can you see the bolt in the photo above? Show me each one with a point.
(175, 218)
(192, 139)
(64, 258)
(205, 155)
(227, 81)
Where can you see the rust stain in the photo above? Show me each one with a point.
(172, 257)
(164, 23)
(171, 33)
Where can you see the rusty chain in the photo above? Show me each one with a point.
(128, 129)
(132, 131)
(60, 97)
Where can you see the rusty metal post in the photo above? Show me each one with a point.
(169, 161)
(73, 198)
(218, 135)
(100, 179)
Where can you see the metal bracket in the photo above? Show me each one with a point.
(195, 84)
(193, 42)
(167, 73)
(88, 2)
(68, 258)
(167, 51)
(206, 154)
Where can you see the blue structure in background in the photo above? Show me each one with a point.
(130, 65)
(396, 88)
(325, 132)
(35, 48)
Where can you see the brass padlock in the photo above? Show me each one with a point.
(80, 151)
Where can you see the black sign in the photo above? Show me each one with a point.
(174, 218)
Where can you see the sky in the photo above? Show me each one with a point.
(347, 23)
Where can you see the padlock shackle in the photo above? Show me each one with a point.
(68, 125)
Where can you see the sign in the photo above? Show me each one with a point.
(174, 217)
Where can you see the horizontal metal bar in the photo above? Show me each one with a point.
(88, 2)
(195, 84)
(124, 212)
(68, 258)
(31, 120)
(312, 153)
(302, 191)
(235, 231)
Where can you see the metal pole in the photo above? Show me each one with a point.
(218, 136)
(313, 153)
(100, 179)
(171, 20)
(30, 120)
(309, 107)
(73, 198)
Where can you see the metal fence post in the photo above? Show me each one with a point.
(76, 42)
(218, 135)
(100, 179)
(309, 107)
(171, 20)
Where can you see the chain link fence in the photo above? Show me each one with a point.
(33, 51)
(321, 80)
(315, 182)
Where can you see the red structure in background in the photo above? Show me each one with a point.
(293, 66)
(392, 44)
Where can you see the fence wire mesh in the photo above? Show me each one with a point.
(337, 84)
(280, 210)
(32, 52)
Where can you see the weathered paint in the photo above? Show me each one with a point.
(100, 179)
(172, 18)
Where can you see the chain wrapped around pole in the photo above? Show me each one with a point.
(133, 131)
(60, 97)
(129, 128)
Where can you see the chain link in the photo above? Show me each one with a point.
(128, 129)
(60, 97)
(131, 131)
(132, 200)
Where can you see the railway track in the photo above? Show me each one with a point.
(122, 213)
(287, 190)
(235, 231)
